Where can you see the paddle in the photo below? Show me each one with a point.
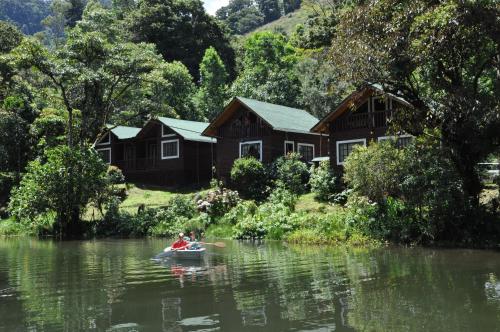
(216, 244)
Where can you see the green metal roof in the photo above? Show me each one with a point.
(189, 130)
(281, 118)
(123, 132)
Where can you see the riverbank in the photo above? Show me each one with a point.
(301, 219)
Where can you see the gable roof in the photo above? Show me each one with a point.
(281, 118)
(124, 132)
(354, 99)
(189, 130)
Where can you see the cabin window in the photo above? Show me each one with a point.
(105, 155)
(251, 149)
(344, 149)
(289, 147)
(379, 104)
(401, 141)
(106, 139)
(170, 149)
(306, 151)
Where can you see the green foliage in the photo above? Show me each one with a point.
(268, 70)
(94, 72)
(437, 57)
(10, 37)
(26, 14)
(217, 202)
(323, 181)
(249, 177)
(169, 24)
(283, 196)
(291, 173)
(212, 94)
(376, 171)
(239, 212)
(10, 227)
(61, 187)
(241, 16)
(49, 128)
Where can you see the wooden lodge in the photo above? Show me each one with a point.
(166, 151)
(265, 131)
(364, 116)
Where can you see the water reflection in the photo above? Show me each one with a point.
(112, 285)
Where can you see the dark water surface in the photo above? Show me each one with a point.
(112, 285)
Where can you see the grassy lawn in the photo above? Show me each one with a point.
(307, 203)
(153, 196)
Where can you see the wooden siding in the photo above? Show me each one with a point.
(273, 142)
(140, 159)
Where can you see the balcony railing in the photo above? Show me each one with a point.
(371, 120)
(251, 130)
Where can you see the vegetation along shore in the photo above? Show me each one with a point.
(359, 123)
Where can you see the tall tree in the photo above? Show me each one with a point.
(92, 72)
(268, 70)
(26, 14)
(241, 16)
(444, 58)
(270, 9)
(212, 93)
(181, 30)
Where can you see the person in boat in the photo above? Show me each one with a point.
(194, 244)
(180, 244)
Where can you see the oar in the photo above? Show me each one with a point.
(216, 244)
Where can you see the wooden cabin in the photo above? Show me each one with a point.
(265, 131)
(364, 116)
(166, 152)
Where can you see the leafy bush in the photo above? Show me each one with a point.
(218, 202)
(323, 182)
(249, 177)
(376, 171)
(283, 196)
(64, 185)
(240, 211)
(182, 205)
(291, 173)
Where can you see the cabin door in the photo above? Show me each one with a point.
(152, 154)
(129, 156)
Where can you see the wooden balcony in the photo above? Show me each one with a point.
(371, 120)
(247, 131)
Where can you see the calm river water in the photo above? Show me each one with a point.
(112, 285)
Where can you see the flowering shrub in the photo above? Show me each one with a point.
(218, 202)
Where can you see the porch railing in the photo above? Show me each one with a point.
(371, 120)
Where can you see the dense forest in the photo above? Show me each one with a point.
(122, 61)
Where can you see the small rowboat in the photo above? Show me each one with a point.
(185, 254)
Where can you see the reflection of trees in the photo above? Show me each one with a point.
(111, 284)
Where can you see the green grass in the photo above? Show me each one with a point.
(286, 24)
(307, 203)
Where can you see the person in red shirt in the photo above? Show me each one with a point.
(180, 244)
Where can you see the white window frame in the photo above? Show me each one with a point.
(306, 144)
(169, 141)
(163, 132)
(107, 142)
(106, 149)
(252, 142)
(288, 142)
(337, 144)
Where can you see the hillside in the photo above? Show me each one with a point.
(287, 23)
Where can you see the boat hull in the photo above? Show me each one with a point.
(188, 254)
